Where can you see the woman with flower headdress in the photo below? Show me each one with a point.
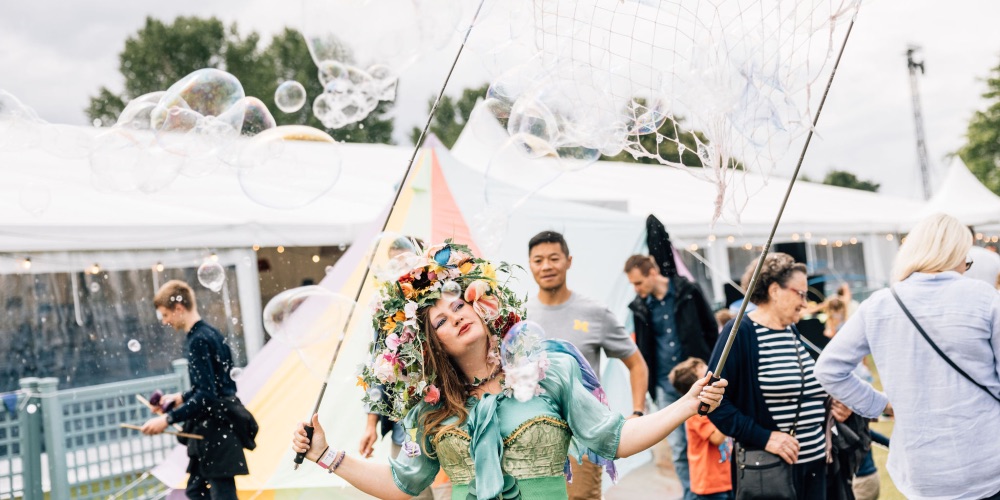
(482, 395)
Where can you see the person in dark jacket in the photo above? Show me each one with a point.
(673, 322)
(210, 408)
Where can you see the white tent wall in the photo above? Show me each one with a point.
(963, 196)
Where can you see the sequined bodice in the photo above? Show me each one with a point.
(537, 448)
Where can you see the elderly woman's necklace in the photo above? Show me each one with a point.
(476, 381)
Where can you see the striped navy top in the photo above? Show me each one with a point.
(781, 384)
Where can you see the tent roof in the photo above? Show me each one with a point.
(963, 196)
(683, 201)
(192, 212)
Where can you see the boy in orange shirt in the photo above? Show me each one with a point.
(708, 449)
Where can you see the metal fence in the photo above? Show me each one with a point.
(70, 443)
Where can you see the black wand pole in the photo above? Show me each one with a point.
(716, 374)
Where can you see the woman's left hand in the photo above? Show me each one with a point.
(702, 392)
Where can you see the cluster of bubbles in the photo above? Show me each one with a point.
(134, 345)
(211, 275)
(360, 51)
(201, 125)
(598, 77)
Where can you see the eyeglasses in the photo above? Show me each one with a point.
(802, 293)
(968, 264)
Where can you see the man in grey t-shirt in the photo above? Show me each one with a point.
(589, 326)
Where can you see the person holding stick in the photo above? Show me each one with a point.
(211, 408)
(498, 417)
(774, 402)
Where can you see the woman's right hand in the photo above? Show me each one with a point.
(313, 448)
(784, 445)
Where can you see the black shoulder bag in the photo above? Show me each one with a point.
(936, 348)
(762, 474)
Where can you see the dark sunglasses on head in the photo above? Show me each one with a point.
(968, 265)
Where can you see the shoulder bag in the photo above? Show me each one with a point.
(936, 348)
(761, 474)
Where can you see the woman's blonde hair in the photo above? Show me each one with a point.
(938, 243)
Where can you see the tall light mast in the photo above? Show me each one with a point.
(918, 118)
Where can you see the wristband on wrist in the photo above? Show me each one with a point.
(326, 458)
(638, 413)
(336, 462)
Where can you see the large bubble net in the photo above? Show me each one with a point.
(606, 77)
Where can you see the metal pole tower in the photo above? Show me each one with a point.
(918, 118)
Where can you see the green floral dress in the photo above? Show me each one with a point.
(515, 449)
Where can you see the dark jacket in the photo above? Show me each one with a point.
(211, 408)
(696, 326)
(743, 413)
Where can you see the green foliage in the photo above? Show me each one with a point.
(981, 152)
(846, 179)
(451, 116)
(160, 54)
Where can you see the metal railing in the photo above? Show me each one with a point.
(70, 444)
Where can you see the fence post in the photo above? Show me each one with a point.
(29, 419)
(55, 440)
(181, 369)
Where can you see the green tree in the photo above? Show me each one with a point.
(160, 54)
(452, 115)
(846, 179)
(981, 152)
(665, 145)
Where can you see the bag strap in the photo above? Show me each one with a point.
(802, 390)
(935, 347)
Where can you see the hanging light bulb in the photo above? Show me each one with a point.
(315, 258)
(96, 268)
(26, 263)
(214, 257)
(281, 249)
(159, 267)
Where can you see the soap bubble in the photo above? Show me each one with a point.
(211, 275)
(235, 321)
(256, 117)
(95, 287)
(31, 408)
(67, 141)
(235, 373)
(134, 345)
(289, 166)
(489, 229)
(451, 291)
(127, 160)
(199, 113)
(35, 198)
(391, 254)
(20, 126)
(304, 316)
(137, 114)
(290, 96)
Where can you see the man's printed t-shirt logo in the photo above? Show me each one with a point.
(581, 325)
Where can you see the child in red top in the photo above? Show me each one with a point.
(708, 449)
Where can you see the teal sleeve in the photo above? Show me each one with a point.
(413, 475)
(593, 424)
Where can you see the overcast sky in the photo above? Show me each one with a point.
(55, 54)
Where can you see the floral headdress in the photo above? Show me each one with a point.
(396, 378)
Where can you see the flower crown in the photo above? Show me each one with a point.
(396, 378)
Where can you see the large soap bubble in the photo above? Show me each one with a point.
(289, 166)
(19, 124)
(290, 96)
(199, 113)
(302, 317)
(127, 160)
(211, 275)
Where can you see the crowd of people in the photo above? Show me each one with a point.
(478, 409)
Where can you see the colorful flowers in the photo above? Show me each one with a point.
(433, 395)
(416, 282)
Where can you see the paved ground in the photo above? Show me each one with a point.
(655, 480)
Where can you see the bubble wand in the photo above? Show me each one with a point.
(704, 408)
(300, 457)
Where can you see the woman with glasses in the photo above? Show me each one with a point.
(773, 401)
(944, 442)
